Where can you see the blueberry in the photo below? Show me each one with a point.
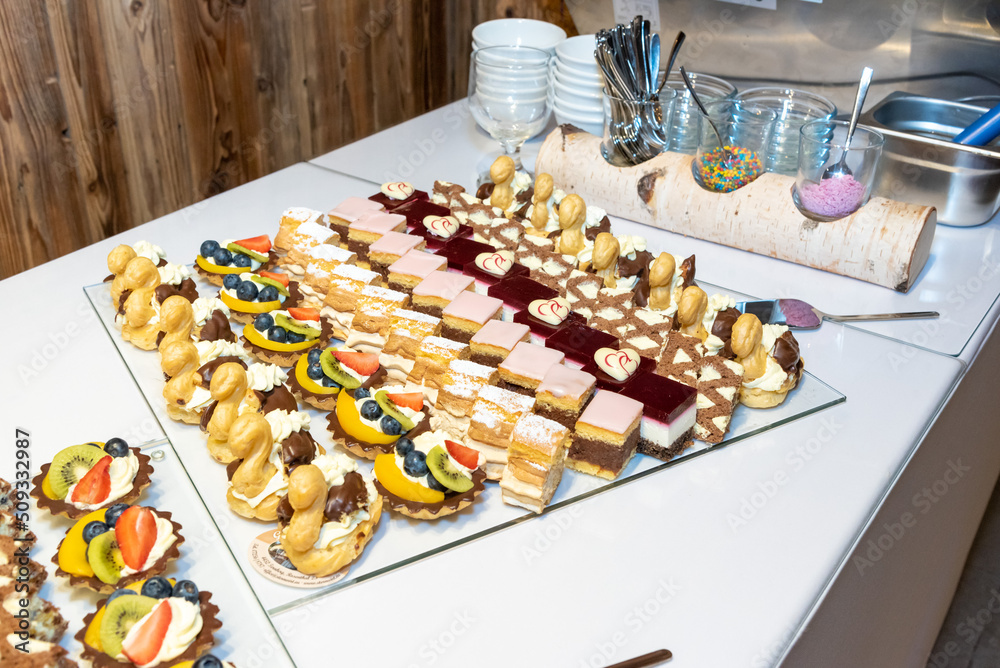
(329, 382)
(112, 514)
(268, 293)
(207, 661)
(433, 483)
(157, 587)
(314, 356)
(404, 446)
(415, 464)
(185, 589)
(263, 322)
(120, 592)
(391, 426)
(362, 393)
(116, 447)
(315, 371)
(208, 248)
(93, 530)
(294, 337)
(370, 410)
(231, 281)
(222, 257)
(277, 334)
(241, 260)
(247, 291)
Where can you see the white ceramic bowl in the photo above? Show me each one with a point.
(512, 92)
(594, 126)
(526, 32)
(587, 98)
(588, 86)
(513, 57)
(581, 77)
(578, 52)
(586, 109)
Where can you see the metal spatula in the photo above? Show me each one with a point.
(797, 314)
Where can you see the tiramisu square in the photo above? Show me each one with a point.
(525, 367)
(606, 437)
(563, 393)
(494, 341)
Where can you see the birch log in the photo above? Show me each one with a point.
(885, 242)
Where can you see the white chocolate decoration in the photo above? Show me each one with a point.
(619, 364)
(552, 311)
(442, 226)
(397, 190)
(497, 264)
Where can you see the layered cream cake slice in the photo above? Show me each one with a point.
(300, 230)
(372, 317)
(369, 228)
(390, 248)
(718, 394)
(493, 342)
(467, 313)
(320, 264)
(346, 283)
(340, 217)
(669, 411)
(490, 424)
(439, 289)
(463, 382)
(563, 394)
(606, 437)
(535, 462)
(408, 271)
(406, 330)
(525, 367)
(433, 357)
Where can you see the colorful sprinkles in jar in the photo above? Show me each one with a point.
(727, 168)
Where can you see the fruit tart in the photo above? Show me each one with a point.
(204, 661)
(367, 422)
(329, 514)
(429, 476)
(116, 546)
(92, 476)
(215, 260)
(280, 337)
(320, 374)
(155, 622)
(249, 294)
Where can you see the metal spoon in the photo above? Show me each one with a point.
(704, 111)
(841, 169)
(674, 50)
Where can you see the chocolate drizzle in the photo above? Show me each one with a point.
(299, 448)
(786, 353)
(485, 190)
(207, 369)
(285, 510)
(277, 399)
(687, 271)
(590, 233)
(217, 328)
(187, 289)
(342, 500)
(637, 267)
(723, 328)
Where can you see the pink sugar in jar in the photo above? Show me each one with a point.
(822, 197)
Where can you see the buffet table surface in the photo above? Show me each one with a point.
(753, 555)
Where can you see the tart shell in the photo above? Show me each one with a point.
(216, 279)
(432, 511)
(286, 359)
(66, 509)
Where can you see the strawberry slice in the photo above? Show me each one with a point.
(135, 533)
(142, 646)
(364, 364)
(261, 244)
(273, 275)
(95, 486)
(412, 400)
(467, 457)
(303, 313)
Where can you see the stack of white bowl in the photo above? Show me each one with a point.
(518, 32)
(577, 85)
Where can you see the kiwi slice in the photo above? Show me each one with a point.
(236, 248)
(105, 557)
(282, 320)
(331, 367)
(264, 280)
(393, 411)
(120, 615)
(71, 464)
(446, 474)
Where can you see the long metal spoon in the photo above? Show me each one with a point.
(674, 50)
(841, 169)
(704, 111)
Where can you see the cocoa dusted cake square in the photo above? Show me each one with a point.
(606, 435)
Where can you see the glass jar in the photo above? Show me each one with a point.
(819, 192)
(636, 131)
(745, 132)
(794, 108)
(685, 126)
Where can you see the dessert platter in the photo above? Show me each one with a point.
(411, 370)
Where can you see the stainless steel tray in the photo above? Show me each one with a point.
(921, 165)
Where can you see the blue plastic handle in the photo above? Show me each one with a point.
(984, 130)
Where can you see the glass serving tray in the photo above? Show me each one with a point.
(399, 541)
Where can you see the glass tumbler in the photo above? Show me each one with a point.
(822, 192)
(794, 109)
(636, 131)
(745, 132)
(685, 126)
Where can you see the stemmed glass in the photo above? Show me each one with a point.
(509, 94)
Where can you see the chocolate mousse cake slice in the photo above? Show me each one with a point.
(492, 343)
(668, 415)
(525, 367)
(606, 436)
(718, 394)
(466, 315)
(563, 394)
(406, 273)
(680, 359)
(491, 422)
(535, 463)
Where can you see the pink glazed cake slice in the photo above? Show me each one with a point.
(526, 366)
(466, 315)
(607, 435)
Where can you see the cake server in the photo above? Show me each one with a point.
(646, 660)
(797, 314)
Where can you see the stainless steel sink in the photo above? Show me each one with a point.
(921, 165)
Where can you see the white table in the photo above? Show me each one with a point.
(721, 559)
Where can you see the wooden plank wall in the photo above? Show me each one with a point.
(115, 112)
